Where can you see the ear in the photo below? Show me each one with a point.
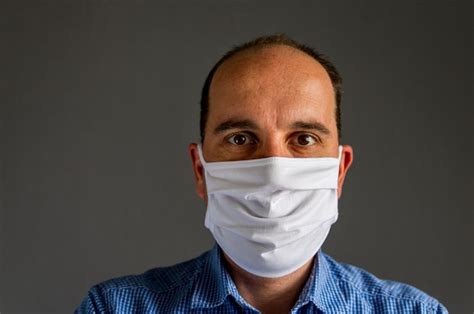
(198, 171)
(346, 162)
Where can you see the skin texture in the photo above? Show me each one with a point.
(264, 102)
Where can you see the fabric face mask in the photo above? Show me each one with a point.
(271, 215)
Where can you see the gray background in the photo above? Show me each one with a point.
(99, 100)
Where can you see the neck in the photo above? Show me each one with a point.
(269, 295)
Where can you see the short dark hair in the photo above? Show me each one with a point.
(273, 40)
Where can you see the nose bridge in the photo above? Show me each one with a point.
(273, 146)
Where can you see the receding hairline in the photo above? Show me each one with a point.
(250, 52)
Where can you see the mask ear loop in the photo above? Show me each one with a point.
(339, 154)
(201, 157)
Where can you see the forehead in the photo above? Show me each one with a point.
(276, 57)
(278, 81)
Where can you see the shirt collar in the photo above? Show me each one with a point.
(214, 285)
(322, 288)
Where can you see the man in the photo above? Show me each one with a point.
(270, 170)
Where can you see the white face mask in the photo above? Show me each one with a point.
(271, 215)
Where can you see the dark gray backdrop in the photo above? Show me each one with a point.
(99, 100)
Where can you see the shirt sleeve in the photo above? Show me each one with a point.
(441, 309)
(92, 303)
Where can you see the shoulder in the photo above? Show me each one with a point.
(368, 291)
(143, 290)
(159, 280)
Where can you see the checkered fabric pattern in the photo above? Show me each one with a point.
(202, 285)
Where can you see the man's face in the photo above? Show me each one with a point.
(275, 101)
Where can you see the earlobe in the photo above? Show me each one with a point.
(346, 162)
(198, 170)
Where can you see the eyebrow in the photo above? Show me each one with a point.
(249, 124)
(313, 125)
(235, 124)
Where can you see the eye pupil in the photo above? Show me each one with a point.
(239, 139)
(304, 140)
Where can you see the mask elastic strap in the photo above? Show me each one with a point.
(201, 157)
(340, 153)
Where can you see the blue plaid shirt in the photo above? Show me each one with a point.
(202, 285)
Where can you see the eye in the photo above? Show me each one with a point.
(240, 139)
(306, 140)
